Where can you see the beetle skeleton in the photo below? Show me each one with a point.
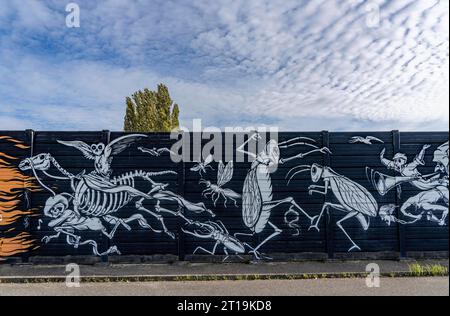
(218, 232)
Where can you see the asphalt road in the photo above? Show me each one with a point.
(389, 286)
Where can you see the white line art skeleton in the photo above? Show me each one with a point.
(97, 197)
(353, 198)
(365, 140)
(224, 175)
(257, 202)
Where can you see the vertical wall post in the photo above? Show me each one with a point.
(181, 191)
(401, 229)
(27, 199)
(106, 139)
(329, 219)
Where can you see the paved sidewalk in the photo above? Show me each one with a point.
(208, 271)
(432, 286)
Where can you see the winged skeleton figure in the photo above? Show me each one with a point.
(365, 140)
(103, 155)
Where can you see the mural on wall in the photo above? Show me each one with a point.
(95, 201)
(257, 202)
(257, 197)
(434, 195)
(14, 214)
(95, 197)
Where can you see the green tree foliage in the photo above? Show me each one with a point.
(151, 111)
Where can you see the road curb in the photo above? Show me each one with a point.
(220, 277)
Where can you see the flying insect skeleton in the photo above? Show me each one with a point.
(201, 166)
(224, 175)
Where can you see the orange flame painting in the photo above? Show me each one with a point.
(12, 187)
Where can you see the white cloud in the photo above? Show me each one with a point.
(322, 60)
(288, 62)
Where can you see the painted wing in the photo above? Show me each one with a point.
(225, 174)
(81, 146)
(375, 139)
(220, 172)
(120, 144)
(355, 139)
(354, 196)
(251, 200)
(208, 160)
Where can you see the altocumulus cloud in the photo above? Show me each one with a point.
(335, 64)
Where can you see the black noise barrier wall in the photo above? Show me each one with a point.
(112, 196)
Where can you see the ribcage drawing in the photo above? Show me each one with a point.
(95, 202)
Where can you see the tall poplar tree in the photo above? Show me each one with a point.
(151, 111)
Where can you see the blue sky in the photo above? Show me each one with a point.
(299, 65)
